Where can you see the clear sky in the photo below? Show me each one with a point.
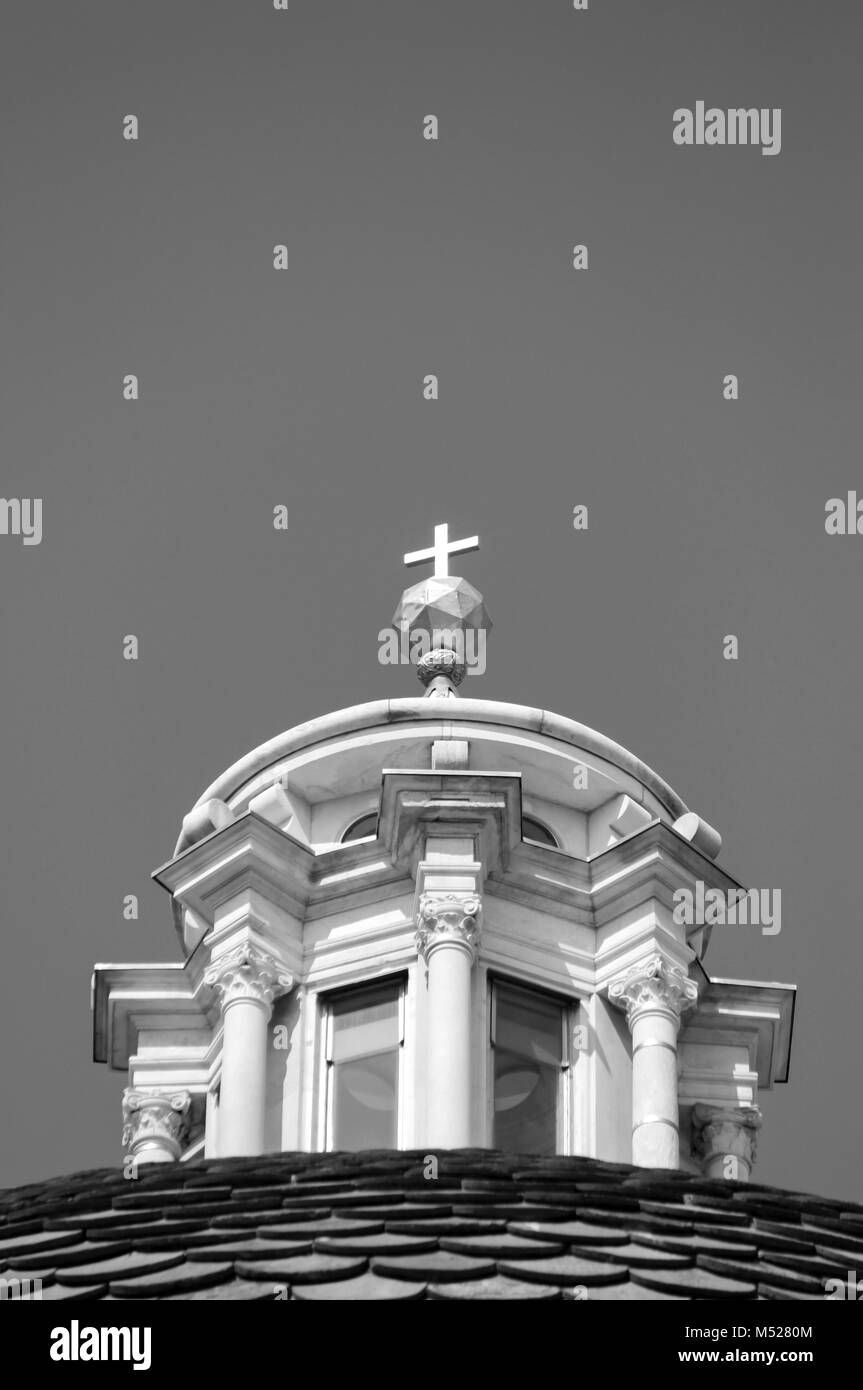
(303, 387)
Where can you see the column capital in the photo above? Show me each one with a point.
(245, 972)
(651, 985)
(452, 918)
(155, 1123)
(725, 1132)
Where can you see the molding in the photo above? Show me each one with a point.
(252, 855)
(483, 805)
(420, 711)
(744, 1013)
(128, 998)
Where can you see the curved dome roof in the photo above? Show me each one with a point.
(371, 1226)
(357, 721)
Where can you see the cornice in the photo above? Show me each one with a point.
(382, 713)
(486, 805)
(546, 880)
(743, 1012)
(253, 855)
(121, 993)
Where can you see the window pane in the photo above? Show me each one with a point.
(364, 1071)
(364, 1102)
(528, 1053)
(529, 1025)
(362, 828)
(534, 830)
(364, 1023)
(525, 1105)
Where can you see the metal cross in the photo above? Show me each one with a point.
(441, 551)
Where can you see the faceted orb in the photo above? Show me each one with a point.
(444, 605)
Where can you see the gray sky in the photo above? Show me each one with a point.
(557, 387)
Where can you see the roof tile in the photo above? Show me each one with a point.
(181, 1278)
(370, 1226)
(496, 1287)
(695, 1283)
(367, 1287)
(438, 1266)
(302, 1269)
(565, 1269)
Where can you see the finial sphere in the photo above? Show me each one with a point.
(442, 605)
(443, 661)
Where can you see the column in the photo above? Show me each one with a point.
(155, 1124)
(247, 980)
(654, 994)
(726, 1140)
(447, 938)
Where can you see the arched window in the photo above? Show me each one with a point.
(362, 829)
(532, 829)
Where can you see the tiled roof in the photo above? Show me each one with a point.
(372, 1226)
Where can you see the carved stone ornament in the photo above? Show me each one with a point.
(448, 917)
(651, 984)
(721, 1130)
(248, 973)
(156, 1117)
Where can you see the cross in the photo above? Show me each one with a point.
(441, 551)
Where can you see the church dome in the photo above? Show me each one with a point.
(433, 973)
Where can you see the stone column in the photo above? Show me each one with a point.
(447, 939)
(247, 980)
(654, 994)
(726, 1140)
(155, 1124)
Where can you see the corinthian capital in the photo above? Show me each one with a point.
(155, 1123)
(652, 984)
(725, 1139)
(445, 917)
(247, 972)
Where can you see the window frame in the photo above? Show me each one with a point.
(326, 999)
(569, 1007)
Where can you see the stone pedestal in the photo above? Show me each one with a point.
(654, 993)
(155, 1124)
(247, 980)
(726, 1140)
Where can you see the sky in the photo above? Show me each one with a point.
(600, 387)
